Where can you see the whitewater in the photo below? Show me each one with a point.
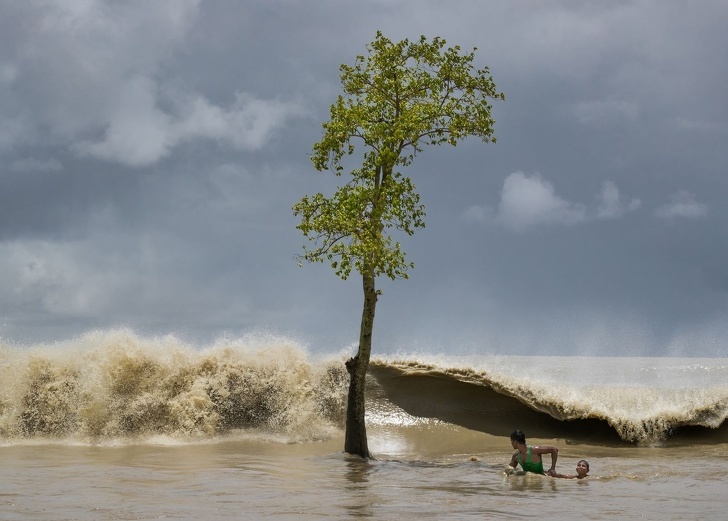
(113, 425)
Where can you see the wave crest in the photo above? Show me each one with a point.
(117, 385)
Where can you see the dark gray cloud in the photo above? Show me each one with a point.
(150, 155)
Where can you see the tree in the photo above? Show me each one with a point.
(396, 100)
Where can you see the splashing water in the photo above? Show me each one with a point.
(114, 384)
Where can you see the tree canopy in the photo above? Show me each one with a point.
(396, 100)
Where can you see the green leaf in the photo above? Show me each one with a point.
(396, 99)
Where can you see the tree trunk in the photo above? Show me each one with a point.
(355, 441)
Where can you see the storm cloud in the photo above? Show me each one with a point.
(150, 153)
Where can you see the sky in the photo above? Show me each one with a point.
(150, 154)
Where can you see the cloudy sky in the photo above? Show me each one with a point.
(150, 153)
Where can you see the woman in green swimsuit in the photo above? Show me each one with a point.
(529, 456)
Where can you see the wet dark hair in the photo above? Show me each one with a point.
(518, 436)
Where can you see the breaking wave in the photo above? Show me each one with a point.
(115, 386)
(493, 401)
(108, 385)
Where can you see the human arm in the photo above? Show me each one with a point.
(548, 449)
(513, 464)
(565, 476)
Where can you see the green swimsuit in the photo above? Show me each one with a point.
(528, 465)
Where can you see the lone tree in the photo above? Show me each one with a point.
(397, 99)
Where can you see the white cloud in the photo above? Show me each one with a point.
(477, 214)
(247, 124)
(140, 133)
(612, 205)
(88, 75)
(682, 204)
(531, 201)
(47, 277)
(80, 279)
(252, 121)
(109, 277)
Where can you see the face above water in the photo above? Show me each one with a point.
(582, 468)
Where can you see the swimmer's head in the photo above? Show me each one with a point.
(582, 468)
(518, 436)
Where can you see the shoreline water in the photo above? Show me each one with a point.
(442, 471)
(128, 428)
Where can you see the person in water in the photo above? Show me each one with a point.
(582, 469)
(529, 456)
